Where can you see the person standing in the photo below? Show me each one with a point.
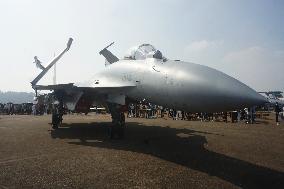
(277, 110)
(132, 109)
(175, 114)
(34, 109)
(162, 111)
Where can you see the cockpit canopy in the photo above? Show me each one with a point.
(142, 52)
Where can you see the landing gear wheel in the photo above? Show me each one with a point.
(54, 126)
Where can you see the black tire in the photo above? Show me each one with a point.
(54, 126)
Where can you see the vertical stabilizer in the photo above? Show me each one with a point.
(110, 58)
(45, 70)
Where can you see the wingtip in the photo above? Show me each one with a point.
(69, 43)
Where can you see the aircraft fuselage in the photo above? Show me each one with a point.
(179, 85)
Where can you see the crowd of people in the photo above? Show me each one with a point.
(152, 111)
(11, 108)
(149, 111)
(39, 106)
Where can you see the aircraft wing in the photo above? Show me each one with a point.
(71, 94)
(72, 87)
(54, 87)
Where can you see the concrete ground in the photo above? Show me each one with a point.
(156, 153)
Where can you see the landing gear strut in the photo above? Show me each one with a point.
(118, 121)
(56, 120)
(57, 115)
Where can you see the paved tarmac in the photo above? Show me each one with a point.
(156, 153)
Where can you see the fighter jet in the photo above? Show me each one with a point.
(145, 74)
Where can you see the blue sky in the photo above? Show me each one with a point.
(243, 38)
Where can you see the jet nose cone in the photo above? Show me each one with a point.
(259, 99)
(230, 94)
(214, 91)
(245, 96)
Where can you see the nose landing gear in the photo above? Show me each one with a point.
(118, 121)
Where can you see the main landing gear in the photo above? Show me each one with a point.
(117, 114)
(57, 115)
(118, 121)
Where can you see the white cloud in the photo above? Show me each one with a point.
(250, 55)
(204, 52)
(199, 46)
(256, 66)
(260, 68)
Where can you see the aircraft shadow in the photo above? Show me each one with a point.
(181, 146)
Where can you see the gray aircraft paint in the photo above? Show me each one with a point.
(177, 84)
